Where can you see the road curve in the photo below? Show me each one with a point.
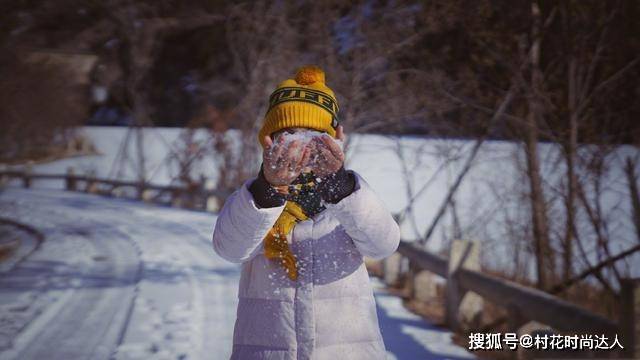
(114, 279)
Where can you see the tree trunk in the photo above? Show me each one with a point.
(634, 194)
(545, 263)
(570, 155)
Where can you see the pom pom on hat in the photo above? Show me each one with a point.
(309, 74)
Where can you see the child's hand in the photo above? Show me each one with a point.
(327, 154)
(283, 163)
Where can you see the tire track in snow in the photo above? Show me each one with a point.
(87, 317)
(196, 321)
(184, 293)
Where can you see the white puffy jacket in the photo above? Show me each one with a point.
(329, 312)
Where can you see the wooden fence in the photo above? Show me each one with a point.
(527, 308)
(194, 196)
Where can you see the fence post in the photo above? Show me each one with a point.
(463, 308)
(424, 286)
(212, 204)
(70, 179)
(391, 269)
(91, 186)
(147, 195)
(200, 200)
(629, 317)
(26, 176)
(140, 190)
(176, 198)
(4, 179)
(407, 280)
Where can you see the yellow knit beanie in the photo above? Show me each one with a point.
(302, 102)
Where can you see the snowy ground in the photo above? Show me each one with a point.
(125, 280)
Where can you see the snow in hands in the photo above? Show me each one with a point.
(306, 137)
(293, 151)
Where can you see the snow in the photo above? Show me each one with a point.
(302, 137)
(127, 280)
(407, 336)
(101, 255)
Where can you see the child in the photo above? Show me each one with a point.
(300, 230)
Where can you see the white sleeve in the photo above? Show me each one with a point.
(366, 220)
(241, 226)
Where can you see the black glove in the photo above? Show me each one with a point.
(264, 195)
(337, 186)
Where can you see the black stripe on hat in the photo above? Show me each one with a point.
(315, 97)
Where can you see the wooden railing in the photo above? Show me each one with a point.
(195, 196)
(412, 267)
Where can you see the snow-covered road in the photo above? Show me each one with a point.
(125, 280)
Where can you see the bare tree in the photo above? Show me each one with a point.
(34, 132)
